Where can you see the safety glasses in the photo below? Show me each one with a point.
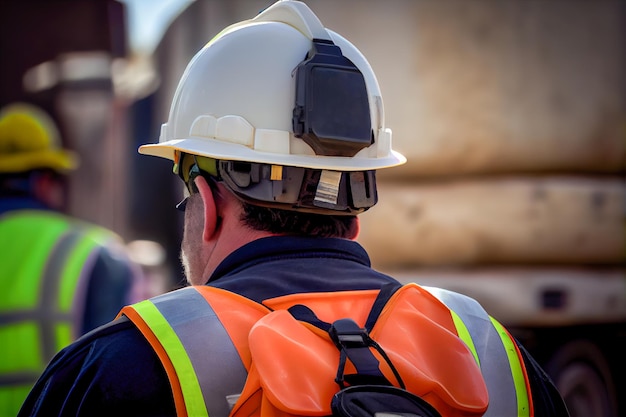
(188, 167)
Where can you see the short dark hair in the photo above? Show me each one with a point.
(275, 220)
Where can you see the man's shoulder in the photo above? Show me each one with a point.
(455, 300)
(109, 342)
(108, 355)
(109, 368)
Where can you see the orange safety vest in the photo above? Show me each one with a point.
(227, 355)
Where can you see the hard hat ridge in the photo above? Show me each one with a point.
(296, 14)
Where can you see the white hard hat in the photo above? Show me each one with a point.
(247, 96)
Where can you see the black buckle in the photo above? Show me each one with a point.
(354, 343)
(346, 334)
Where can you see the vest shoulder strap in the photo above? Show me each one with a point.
(213, 320)
(495, 350)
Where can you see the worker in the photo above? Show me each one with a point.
(277, 130)
(61, 277)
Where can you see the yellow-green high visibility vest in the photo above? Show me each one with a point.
(45, 259)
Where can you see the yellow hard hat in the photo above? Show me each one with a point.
(30, 140)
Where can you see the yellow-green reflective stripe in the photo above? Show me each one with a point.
(464, 334)
(523, 408)
(192, 393)
(64, 335)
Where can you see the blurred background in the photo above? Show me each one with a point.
(512, 115)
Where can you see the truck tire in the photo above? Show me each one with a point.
(583, 377)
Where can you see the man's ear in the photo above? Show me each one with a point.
(211, 217)
(49, 189)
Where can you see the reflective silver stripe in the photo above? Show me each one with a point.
(491, 353)
(51, 283)
(215, 359)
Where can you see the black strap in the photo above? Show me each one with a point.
(303, 313)
(386, 292)
(354, 343)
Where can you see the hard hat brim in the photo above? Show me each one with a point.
(235, 152)
(60, 161)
